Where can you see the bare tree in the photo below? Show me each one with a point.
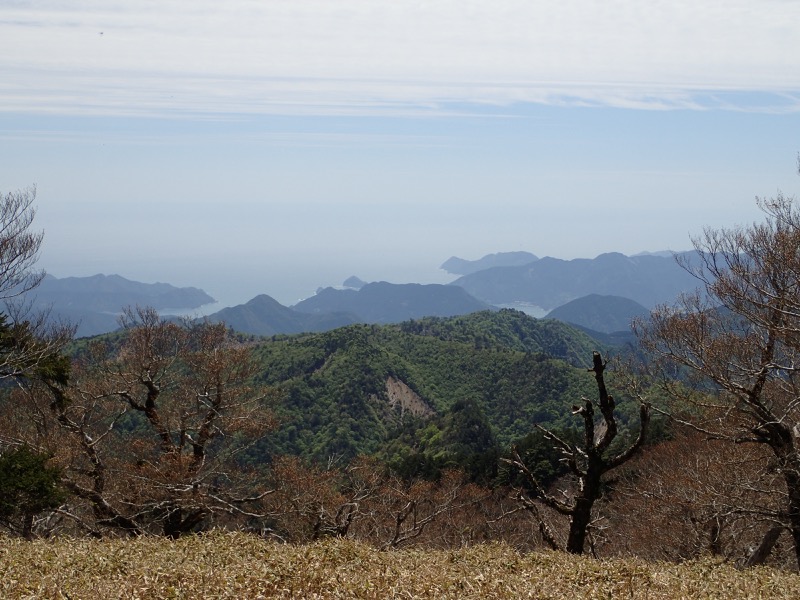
(19, 246)
(311, 502)
(736, 347)
(151, 425)
(30, 348)
(28, 342)
(692, 495)
(587, 463)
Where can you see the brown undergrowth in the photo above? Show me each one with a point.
(237, 565)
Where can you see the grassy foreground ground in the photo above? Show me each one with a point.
(228, 565)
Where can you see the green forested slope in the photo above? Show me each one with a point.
(509, 330)
(486, 378)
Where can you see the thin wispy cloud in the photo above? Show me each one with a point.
(365, 57)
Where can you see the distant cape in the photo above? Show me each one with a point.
(94, 303)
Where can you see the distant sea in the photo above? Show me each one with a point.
(234, 286)
(233, 282)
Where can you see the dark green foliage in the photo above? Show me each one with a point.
(467, 431)
(541, 457)
(15, 340)
(462, 439)
(23, 354)
(29, 486)
(54, 369)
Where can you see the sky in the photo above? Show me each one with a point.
(276, 146)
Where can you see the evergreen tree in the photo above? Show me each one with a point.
(29, 486)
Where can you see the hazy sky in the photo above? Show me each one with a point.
(273, 146)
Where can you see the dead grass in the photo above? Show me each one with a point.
(235, 565)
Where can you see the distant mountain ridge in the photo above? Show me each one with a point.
(330, 308)
(545, 284)
(460, 266)
(263, 315)
(382, 302)
(109, 293)
(354, 282)
(552, 282)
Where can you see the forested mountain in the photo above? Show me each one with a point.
(605, 314)
(425, 393)
(551, 282)
(511, 330)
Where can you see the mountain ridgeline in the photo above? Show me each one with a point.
(383, 302)
(109, 292)
(329, 308)
(600, 294)
(264, 315)
(460, 266)
(552, 282)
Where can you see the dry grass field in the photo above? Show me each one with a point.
(233, 565)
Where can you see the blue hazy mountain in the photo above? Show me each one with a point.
(94, 303)
(606, 314)
(383, 302)
(551, 282)
(109, 293)
(354, 283)
(460, 266)
(331, 308)
(264, 315)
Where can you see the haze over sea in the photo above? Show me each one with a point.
(288, 280)
(275, 147)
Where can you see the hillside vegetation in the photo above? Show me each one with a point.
(451, 388)
(236, 565)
